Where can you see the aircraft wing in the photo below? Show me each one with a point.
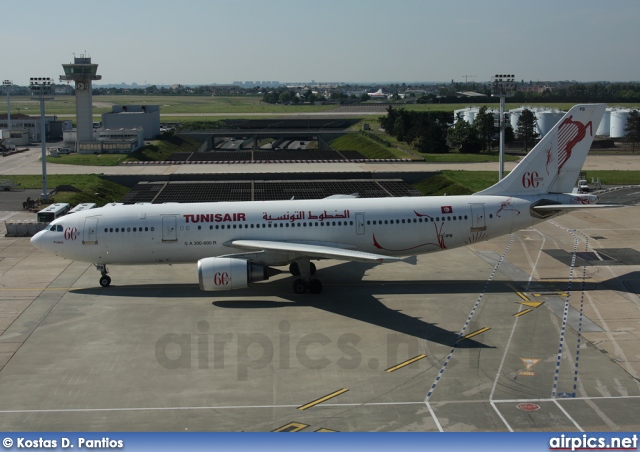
(318, 251)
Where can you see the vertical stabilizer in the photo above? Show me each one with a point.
(554, 164)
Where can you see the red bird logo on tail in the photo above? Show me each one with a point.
(570, 133)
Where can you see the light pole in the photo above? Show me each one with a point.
(7, 84)
(502, 86)
(41, 88)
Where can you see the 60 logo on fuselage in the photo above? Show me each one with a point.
(530, 179)
(221, 279)
(71, 233)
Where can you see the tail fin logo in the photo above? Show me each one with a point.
(570, 133)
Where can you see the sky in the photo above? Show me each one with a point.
(221, 41)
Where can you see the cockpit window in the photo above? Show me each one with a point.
(59, 228)
(53, 228)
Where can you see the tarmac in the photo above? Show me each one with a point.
(504, 335)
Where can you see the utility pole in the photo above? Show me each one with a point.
(502, 86)
(41, 88)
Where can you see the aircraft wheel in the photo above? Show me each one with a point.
(315, 286)
(105, 281)
(299, 286)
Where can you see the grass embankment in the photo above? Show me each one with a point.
(87, 188)
(157, 150)
(456, 183)
(366, 146)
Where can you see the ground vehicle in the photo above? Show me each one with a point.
(50, 213)
(583, 187)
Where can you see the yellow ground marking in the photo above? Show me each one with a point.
(323, 399)
(518, 314)
(291, 427)
(475, 333)
(532, 304)
(405, 363)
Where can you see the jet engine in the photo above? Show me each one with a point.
(226, 273)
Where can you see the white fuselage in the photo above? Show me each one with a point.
(181, 233)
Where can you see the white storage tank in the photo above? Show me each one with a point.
(618, 123)
(605, 124)
(546, 120)
(470, 114)
(514, 116)
(455, 114)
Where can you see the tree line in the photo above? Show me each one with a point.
(437, 132)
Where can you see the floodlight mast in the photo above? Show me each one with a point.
(41, 88)
(7, 85)
(502, 86)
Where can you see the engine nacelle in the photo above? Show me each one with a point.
(226, 273)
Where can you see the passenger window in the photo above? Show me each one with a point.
(152, 228)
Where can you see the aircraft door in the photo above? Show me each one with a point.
(360, 223)
(477, 218)
(90, 232)
(169, 228)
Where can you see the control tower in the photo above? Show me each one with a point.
(82, 72)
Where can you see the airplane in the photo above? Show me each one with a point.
(236, 244)
(378, 95)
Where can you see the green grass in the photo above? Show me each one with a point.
(614, 177)
(88, 159)
(92, 188)
(468, 182)
(157, 150)
(365, 146)
(456, 157)
(457, 183)
(65, 105)
(173, 105)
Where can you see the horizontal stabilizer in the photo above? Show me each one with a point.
(351, 196)
(570, 207)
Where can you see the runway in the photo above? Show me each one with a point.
(505, 335)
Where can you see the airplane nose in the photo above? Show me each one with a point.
(37, 239)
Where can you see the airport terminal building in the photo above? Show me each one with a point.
(146, 117)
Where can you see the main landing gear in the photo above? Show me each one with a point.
(305, 269)
(105, 280)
